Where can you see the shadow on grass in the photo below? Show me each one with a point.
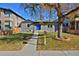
(41, 35)
(18, 36)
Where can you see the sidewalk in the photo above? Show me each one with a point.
(30, 50)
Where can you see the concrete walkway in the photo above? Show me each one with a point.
(30, 50)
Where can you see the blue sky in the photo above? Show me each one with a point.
(16, 7)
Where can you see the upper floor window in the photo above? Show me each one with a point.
(7, 13)
(28, 25)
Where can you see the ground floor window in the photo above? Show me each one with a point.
(8, 25)
(49, 26)
(77, 26)
(0, 24)
(72, 25)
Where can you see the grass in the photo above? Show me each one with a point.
(53, 44)
(14, 42)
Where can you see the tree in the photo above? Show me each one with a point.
(59, 14)
(48, 6)
(32, 8)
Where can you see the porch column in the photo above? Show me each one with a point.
(53, 28)
(75, 25)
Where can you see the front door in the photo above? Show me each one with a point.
(38, 26)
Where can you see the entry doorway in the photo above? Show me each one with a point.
(38, 26)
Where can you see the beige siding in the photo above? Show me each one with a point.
(13, 18)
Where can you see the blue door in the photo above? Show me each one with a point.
(38, 26)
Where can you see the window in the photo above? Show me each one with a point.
(6, 13)
(77, 26)
(72, 25)
(51, 26)
(63, 24)
(0, 24)
(0, 21)
(0, 27)
(48, 26)
(28, 25)
(7, 25)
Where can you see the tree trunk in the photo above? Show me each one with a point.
(60, 22)
(59, 30)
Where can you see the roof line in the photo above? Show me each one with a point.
(71, 11)
(13, 12)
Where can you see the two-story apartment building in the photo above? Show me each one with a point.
(9, 20)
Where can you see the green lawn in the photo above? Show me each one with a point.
(53, 44)
(14, 42)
